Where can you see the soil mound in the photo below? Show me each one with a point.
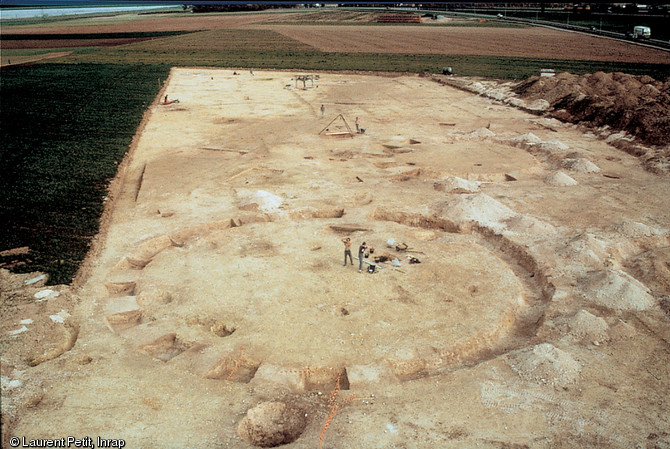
(479, 208)
(587, 250)
(588, 327)
(618, 290)
(554, 146)
(580, 165)
(639, 105)
(482, 133)
(527, 138)
(272, 424)
(455, 184)
(560, 179)
(545, 364)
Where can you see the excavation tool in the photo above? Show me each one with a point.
(349, 132)
(370, 263)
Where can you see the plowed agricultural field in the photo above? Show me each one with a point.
(520, 42)
(129, 23)
(527, 42)
(67, 43)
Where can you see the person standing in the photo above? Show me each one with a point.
(361, 256)
(347, 250)
(323, 109)
(358, 128)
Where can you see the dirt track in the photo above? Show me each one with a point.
(538, 316)
(33, 58)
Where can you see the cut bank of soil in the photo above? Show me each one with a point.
(639, 105)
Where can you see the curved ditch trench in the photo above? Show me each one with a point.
(472, 297)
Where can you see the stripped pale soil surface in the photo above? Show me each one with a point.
(538, 316)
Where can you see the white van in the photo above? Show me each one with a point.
(641, 32)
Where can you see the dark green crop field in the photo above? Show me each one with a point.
(91, 36)
(65, 129)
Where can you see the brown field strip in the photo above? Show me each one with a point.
(516, 42)
(67, 43)
(163, 22)
(249, 40)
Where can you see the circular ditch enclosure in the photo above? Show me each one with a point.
(277, 294)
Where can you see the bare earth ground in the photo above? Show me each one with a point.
(533, 42)
(20, 59)
(538, 316)
(69, 43)
(127, 23)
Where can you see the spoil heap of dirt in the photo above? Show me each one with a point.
(545, 364)
(560, 179)
(588, 327)
(639, 105)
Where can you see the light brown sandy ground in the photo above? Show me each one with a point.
(536, 318)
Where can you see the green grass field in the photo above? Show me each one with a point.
(65, 128)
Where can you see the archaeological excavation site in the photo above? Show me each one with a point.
(513, 292)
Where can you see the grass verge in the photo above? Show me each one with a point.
(65, 128)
